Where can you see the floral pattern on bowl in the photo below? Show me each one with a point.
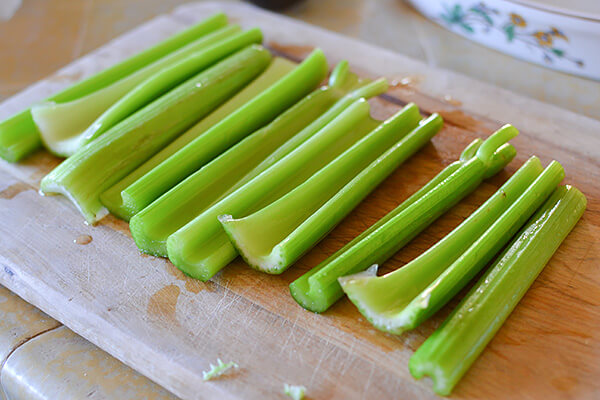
(558, 41)
(514, 26)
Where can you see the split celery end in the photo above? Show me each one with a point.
(19, 136)
(278, 68)
(294, 223)
(251, 116)
(401, 308)
(101, 163)
(65, 127)
(318, 289)
(201, 248)
(450, 351)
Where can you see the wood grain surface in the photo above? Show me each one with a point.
(169, 327)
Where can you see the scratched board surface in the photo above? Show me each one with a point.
(169, 327)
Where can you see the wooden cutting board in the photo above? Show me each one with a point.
(169, 327)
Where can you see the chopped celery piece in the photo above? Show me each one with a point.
(101, 163)
(449, 352)
(65, 127)
(152, 226)
(169, 77)
(277, 69)
(318, 289)
(201, 248)
(217, 370)
(294, 391)
(402, 299)
(19, 136)
(256, 113)
(294, 223)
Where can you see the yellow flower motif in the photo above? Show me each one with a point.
(517, 20)
(556, 33)
(543, 38)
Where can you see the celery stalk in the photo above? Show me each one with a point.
(169, 77)
(201, 248)
(293, 224)
(101, 163)
(251, 116)
(65, 127)
(19, 136)
(400, 301)
(277, 69)
(152, 226)
(318, 289)
(449, 352)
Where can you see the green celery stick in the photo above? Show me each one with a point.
(318, 289)
(251, 116)
(169, 77)
(201, 248)
(152, 226)
(64, 126)
(393, 307)
(293, 224)
(101, 163)
(112, 199)
(449, 352)
(19, 136)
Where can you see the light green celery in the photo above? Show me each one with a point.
(170, 76)
(19, 135)
(152, 226)
(274, 237)
(397, 302)
(201, 248)
(318, 289)
(65, 127)
(449, 352)
(256, 113)
(112, 199)
(101, 163)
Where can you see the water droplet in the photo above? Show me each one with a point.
(83, 239)
(451, 100)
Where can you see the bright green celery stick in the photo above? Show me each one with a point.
(101, 163)
(423, 270)
(65, 127)
(19, 136)
(393, 307)
(201, 247)
(318, 289)
(152, 226)
(277, 69)
(449, 352)
(294, 223)
(170, 76)
(251, 116)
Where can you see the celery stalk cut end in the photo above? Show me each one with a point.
(50, 186)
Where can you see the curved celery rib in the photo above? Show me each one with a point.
(402, 299)
(101, 163)
(64, 126)
(253, 115)
(168, 77)
(152, 226)
(318, 289)
(294, 223)
(112, 199)
(449, 352)
(19, 136)
(201, 248)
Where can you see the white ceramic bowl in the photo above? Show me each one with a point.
(559, 34)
